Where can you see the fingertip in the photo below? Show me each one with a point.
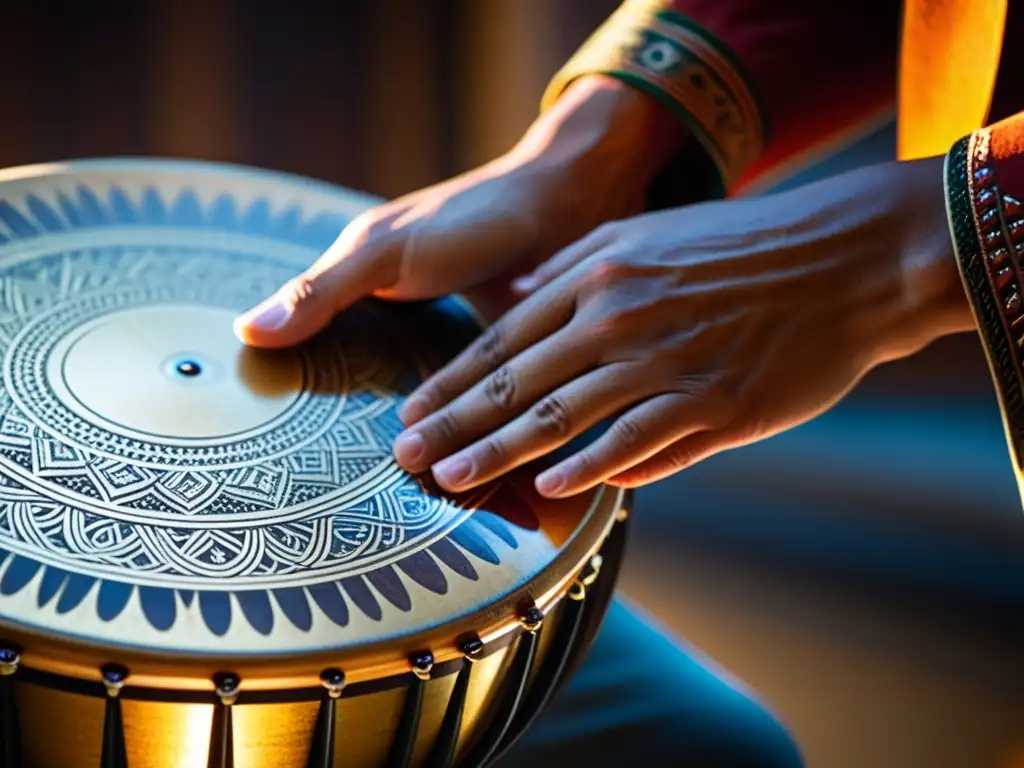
(240, 327)
(255, 334)
(414, 409)
(550, 484)
(525, 284)
(408, 450)
(265, 318)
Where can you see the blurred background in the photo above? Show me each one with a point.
(865, 572)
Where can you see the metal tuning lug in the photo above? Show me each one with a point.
(400, 756)
(513, 689)
(442, 755)
(114, 754)
(321, 750)
(222, 746)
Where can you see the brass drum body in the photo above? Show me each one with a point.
(208, 556)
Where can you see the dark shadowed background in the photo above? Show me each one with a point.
(864, 572)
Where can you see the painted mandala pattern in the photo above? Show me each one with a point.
(306, 507)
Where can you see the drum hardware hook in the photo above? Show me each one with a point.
(114, 677)
(422, 665)
(472, 649)
(226, 685)
(531, 619)
(10, 659)
(334, 681)
(577, 591)
(592, 570)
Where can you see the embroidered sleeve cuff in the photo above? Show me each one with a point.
(658, 50)
(983, 188)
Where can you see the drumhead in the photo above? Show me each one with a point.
(170, 493)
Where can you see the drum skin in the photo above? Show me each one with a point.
(208, 556)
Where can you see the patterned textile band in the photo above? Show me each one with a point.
(670, 57)
(984, 183)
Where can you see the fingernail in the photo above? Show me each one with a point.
(550, 482)
(451, 472)
(524, 284)
(268, 317)
(409, 448)
(414, 409)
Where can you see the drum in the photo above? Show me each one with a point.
(208, 556)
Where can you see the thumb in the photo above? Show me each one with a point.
(308, 302)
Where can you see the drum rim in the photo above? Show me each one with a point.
(355, 198)
(496, 622)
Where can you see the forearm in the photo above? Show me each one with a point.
(601, 120)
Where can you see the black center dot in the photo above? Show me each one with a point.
(189, 368)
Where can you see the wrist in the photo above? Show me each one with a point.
(601, 124)
(931, 302)
(884, 230)
(933, 286)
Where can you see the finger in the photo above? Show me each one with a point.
(562, 261)
(551, 423)
(679, 456)
(496, 399)
(527, 323)
(634, 437)
(305, 304)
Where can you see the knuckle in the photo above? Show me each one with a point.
(553, 417)
(360, 231)
(716, 396)
(624, 318)
(370, 223)
(584, 465)
(492, 347)
(607, 335)
(493, 453)
(695, 384)
(629, 434)
(604, 232)
(373, 231)
(429, 395)
(607, 272)
(500, 388)
(364, 220)
(300, 290)
(722, 400)
(447, 425)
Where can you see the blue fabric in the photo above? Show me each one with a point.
(642, 698)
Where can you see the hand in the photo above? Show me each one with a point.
(702, 328)
(587, 160)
